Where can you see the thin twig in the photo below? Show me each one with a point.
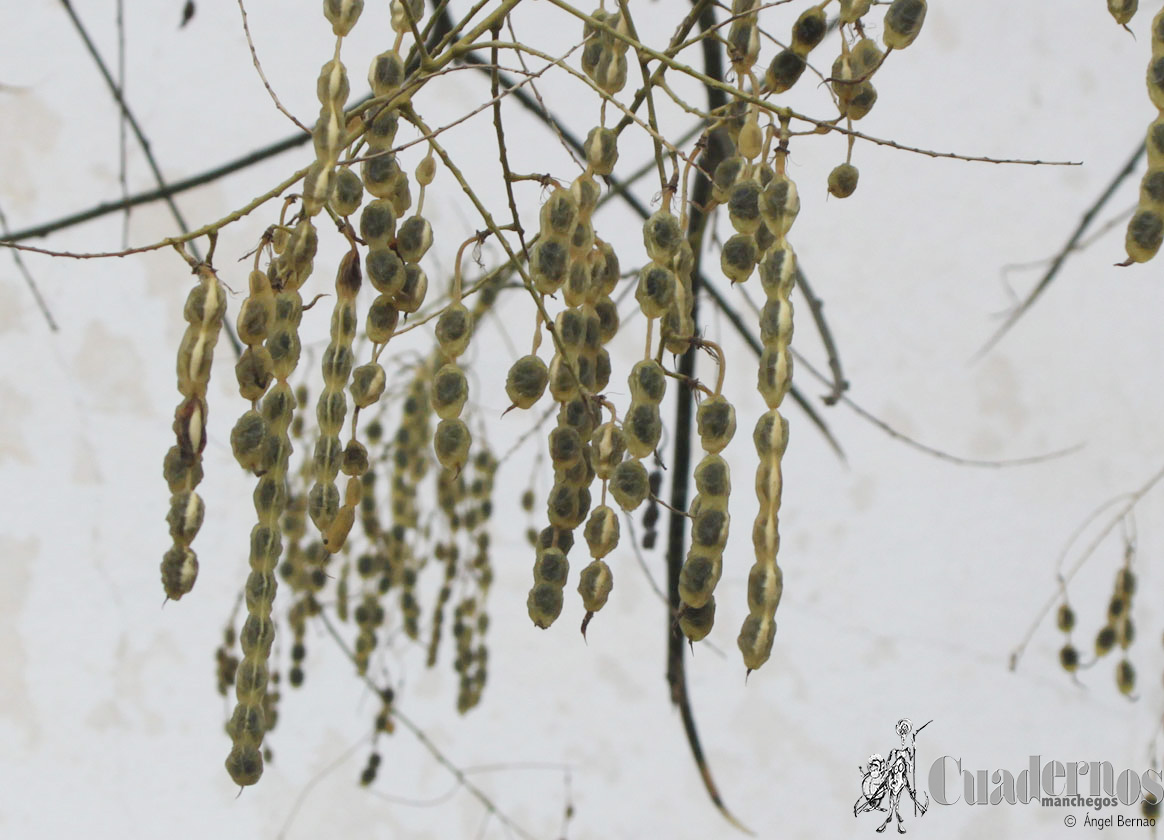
(32, 287)
(263, 76)
(816, 307)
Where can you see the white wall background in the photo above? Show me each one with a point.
(908, 580)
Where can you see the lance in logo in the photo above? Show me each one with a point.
(888, 778)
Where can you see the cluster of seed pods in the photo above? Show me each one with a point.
(182, 468)
(1146, 227)
(603, 55)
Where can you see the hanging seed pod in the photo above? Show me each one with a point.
(601, 150)
(453, 330)
(1065, 618)
(380, 129)
(744, 205)
(349, 192)
(785, 71)
(609, 446)
(727, 173)
(643, 427)
(412, 293)
(405, 13)
(655, 290)
(413, 238)
(647, 382)
(696, 622)
(1145, 234)
(611, 73)
(449, 392)
(549, 260)
(367, 384)
(629, 484)
(865, 57)
(378, 224)
(903, 22)
(716, 420)
(451, 443)
(383, 316)
(386, 74)
(254, 371)
(559, 214)
(1068, 658)
(544, 604)
(601, 531)
(1122, 10)
(526, 381)
(699, 576)
(1125, 677)
(779, 205)
(843, 180)
(385, 270)
(594, 585)
(755, 640)
(809, 30)
(342, 14)
(738, 257)
(662, 236)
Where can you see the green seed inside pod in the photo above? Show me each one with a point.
(755, 640)
(337, 365)
(696, 622)
(451, 444)
(544, 604)
(414, 238)
(594, 585)
(383, 317)
(185, 516)
(326, 458)
(843, 180)
(319, 182)
(738, 258)
(601, 150)
(1145, 233)
(386, 73)
(700, 574)
(656, 289)
(564, 381)
(581, 240)
(1125, 582)
(323, 503)
(355, 459)
(380, 129)
(565, 446)
(332, 88)
(551, 537)
(254, 371)
(643, 427)
(647, 382)
(181, 471)
(579, 414)
(601, 370)
(551, 567)
(775, 375)
(412, 294)
(254, 318)
(771, 435)
(330, 411)
(785, 71)
(270, 497)
(1125, 677)
(809, 30)
(567, 506)
(260, 590)
(765, 587)
(577, 287)
(860, 101)
(1152, 187)
(713, 477)
(526, 381)
(903, 22)
(549, 260)
(778, 271)
(852, 10)
(378, 225)
(601, 531)
(380, 174)
(610, 75)
(864, 57)
(246, 439)
(570, 327)
(560, 213)
(179, 571)
(245, 764)
(587, 192)
(258, 634)
(349, 192)
(367, 384)
(629, 484)
(662, 236)
(744, 205)
(710, 529)
(604, 271)
(779, 205)
(453, 329)
(776, 321)
(1068, 658)
(449, 392)
(716, 419)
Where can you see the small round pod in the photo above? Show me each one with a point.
(611, 73)
(245, 764)
(385, 270)
(738, 257)
(449, 391)
(551, 537)
(254, 370)
(629, 484)
(727, 173)
(602, 369)
(716, 420)
(744, 205)
(809, 30)
(565, 445)
(564, 380)
(859, 102)
(771, 435)
(648, 382)
(454, 328)
(246, 439)
(1125, 677)
(765, 588)
(903, 22)
(662, 236)
(1151, 189)
(551, 567)
(567, 506)
(544, 604)
(342, 14)
(709, 529)
(587, 191)
(1145, 234)
(577, 287)
(643, 427)
(1069, 658)
(699, 576)
(1065, 618)
(608, 446)
(526, 381)
(601, 150)
(570, 328)
(697, 622)
(354, 463)
(405, 14)
(378, 223)
(549, 260)
(843, 180)
(581, 240)
(383, 316)
(179, 571)
(601, 531)
(865, 57)
(774, 376)
(380, 174)
(559, 214)
(185, 516)
(655, 290)
(412, 294)
(413, 238)
(776, 326)
(779, 205)
(257, 312)
(713, 477)
(579, 414)
(451, 443)
(785, 71)
(349, 192)
(755, 640)
(594, 585)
